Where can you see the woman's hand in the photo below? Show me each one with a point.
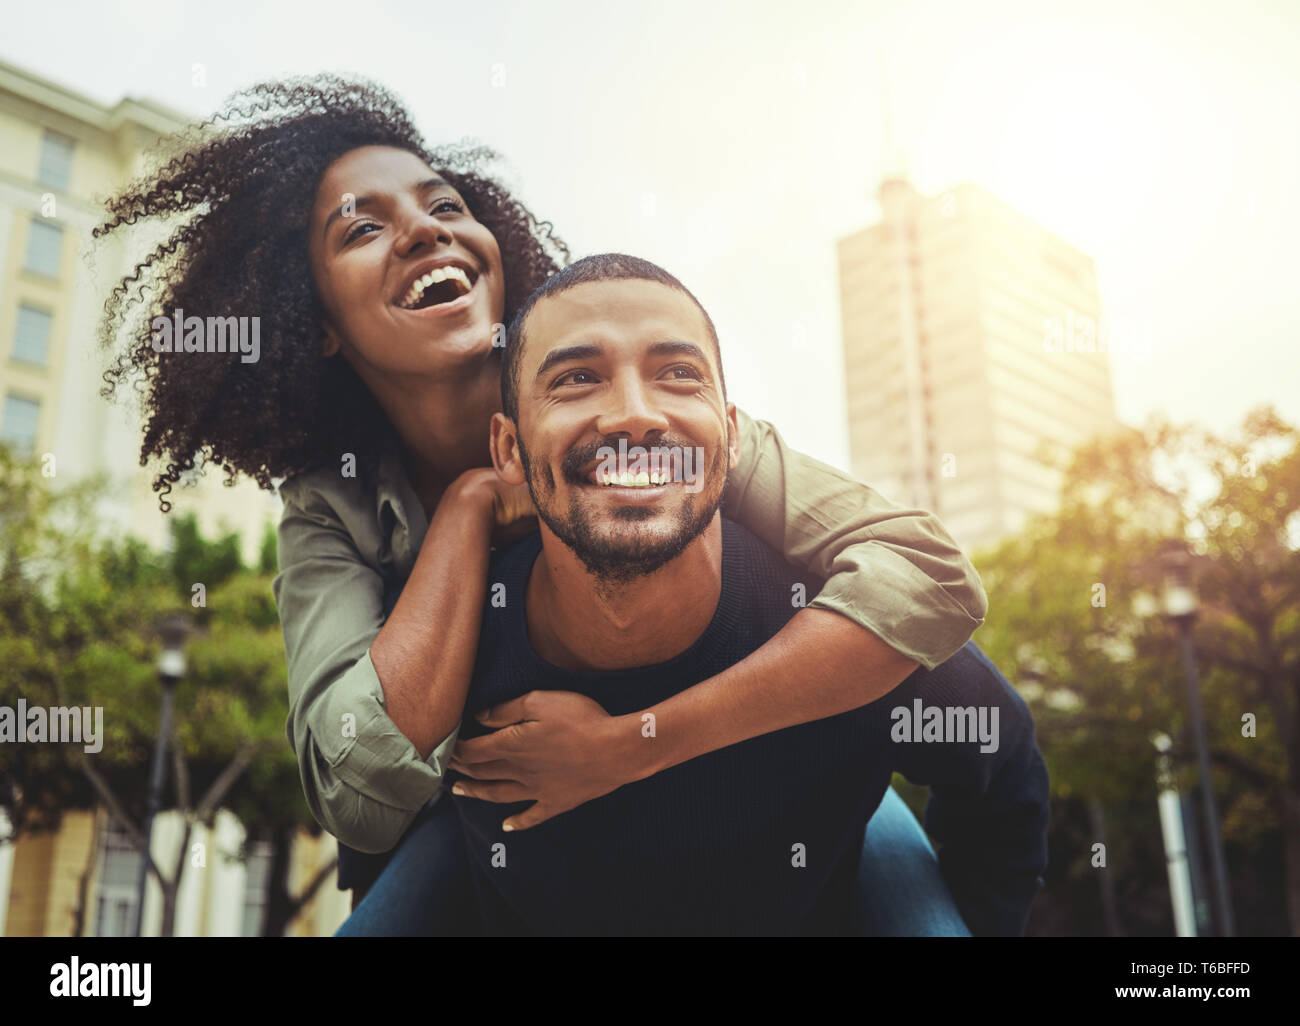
(557, 749)
(514, 511)
(510, 507)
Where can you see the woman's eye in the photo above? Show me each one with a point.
(355, 232)
(448, 203)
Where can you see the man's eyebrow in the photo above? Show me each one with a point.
(368, 199)
(677, 347)
(566, 353)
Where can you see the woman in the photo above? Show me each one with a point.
(316, 206)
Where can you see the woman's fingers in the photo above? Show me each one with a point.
(513, 502)
(492, 790)
(492, 769)
(502, 536)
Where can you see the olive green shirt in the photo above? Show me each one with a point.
(345, 552)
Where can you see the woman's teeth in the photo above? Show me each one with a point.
(451, 274)
(639, 480)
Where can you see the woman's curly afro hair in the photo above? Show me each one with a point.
(235, 202)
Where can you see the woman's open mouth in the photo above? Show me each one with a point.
(443, 288)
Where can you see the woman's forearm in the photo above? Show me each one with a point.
(820, 664)
(424, 654)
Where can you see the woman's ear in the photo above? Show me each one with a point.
(329, 343)
(504, 444)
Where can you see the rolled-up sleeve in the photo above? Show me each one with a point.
(363, 778)
(892, 569)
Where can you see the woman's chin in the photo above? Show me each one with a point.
(455, 352)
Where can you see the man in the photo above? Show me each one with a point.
(635, 589)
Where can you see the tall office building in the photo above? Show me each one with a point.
(61, 153)
(971, 336)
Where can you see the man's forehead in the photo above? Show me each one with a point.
(629, 310)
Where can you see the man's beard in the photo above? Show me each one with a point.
(611, 559)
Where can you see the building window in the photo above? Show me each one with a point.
(32, 337)
(18, 428)
(119, 881)
(44, 247)
(257, 885)
(56, 160)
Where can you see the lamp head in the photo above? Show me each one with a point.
(1178, 598)
(174, 631)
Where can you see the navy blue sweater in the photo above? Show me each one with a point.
(762, 837)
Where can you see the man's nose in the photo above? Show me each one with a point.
(630, 410)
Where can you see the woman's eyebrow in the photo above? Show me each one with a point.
(368, 199)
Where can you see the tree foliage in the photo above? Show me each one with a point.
(79, 617)
(1073, 621)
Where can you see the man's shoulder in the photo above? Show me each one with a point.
(769, 585)
(514, 557)
(753, 551)
(509, 567)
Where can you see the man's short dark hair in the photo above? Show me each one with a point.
(601, 267)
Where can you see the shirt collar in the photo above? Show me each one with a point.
(402, 521)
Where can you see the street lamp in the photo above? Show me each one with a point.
(174, 630)
(1175, 838)
(1179, 605)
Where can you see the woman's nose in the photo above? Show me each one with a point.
(424, 230)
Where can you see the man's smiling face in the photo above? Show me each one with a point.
(631, 361)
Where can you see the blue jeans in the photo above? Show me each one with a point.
(426, 889)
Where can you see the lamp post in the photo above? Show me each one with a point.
(171, 667)
(1171, 827)
(1180, 604)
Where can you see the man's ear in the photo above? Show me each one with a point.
(504, 443)
(733, 436)
(329, 343)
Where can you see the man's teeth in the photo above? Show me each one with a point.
(416, 291)
(641, 479)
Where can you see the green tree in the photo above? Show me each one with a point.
(1071, 621)
(78, 626)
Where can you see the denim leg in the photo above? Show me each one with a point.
(900, 891)
(426, 889)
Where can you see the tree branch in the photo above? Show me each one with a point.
(182, 771)
(1233, 761)
(228, 777)
(115, 810)
(322, 874)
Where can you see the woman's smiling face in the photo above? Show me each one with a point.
(411, 283)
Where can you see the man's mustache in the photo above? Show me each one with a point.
(577, 461)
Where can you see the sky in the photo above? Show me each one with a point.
(734, 143)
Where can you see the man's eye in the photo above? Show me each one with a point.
(578, 377)
(355, 232)
(684, 372)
